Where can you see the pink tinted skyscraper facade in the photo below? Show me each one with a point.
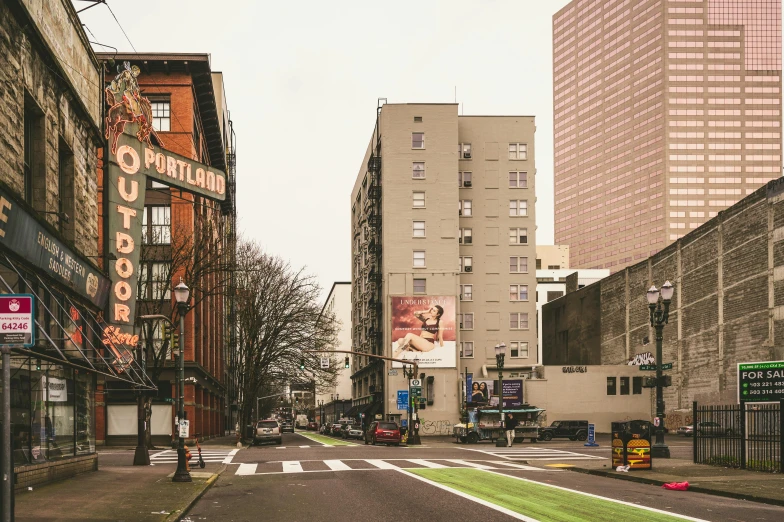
(665, 113)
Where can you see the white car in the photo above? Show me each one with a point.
(268, 431)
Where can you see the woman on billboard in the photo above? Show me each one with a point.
(431, 333)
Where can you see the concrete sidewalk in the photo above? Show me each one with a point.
(727, 482)
(119, 491)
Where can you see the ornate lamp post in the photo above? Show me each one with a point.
(500, 353)
(659, 317)
(182, 296)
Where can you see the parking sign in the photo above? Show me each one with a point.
(17, 320)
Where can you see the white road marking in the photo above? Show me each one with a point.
(246, 469)
(535, 454)
(336, 465)
(519, 466)
(230, 456)
(427, 463)
(291, 466)
(479, 501)
(381, 464)
(468, 464)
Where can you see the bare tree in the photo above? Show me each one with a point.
(278, 319)
(197, 255)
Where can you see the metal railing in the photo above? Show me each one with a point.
(745, 436)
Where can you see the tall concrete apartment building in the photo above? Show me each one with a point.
(666, 112)
(442, 225)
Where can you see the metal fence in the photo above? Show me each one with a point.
(746, 436)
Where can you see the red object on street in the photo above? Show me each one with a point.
(676, 486)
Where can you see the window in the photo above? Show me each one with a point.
(466, 292)
(466, 264)
(156, 225)
(611, 386)
(154, 281)
(466, 321)
(518, 265)
(417, 119)
(419, 258)
(418, 170)
(636, 385)
(551, 296)
(466, 236)
(518, 151)
(161, 115)
(518, 321)
(464, 151)
(553, 267)
(518, 180)
(518, 292)
(538, 264)
(467, 349)
(29, 139)
(464, 179)
(624, 386)
(518, 208)
(518, 236)
(518, 350)
(465, 207)
(65, 190)
(419, 229)
(419, 200)
(417, 140)
(420, 286)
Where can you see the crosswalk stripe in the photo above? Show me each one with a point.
(518, 466)
(427, 463)
(469, 464)
(246, 469)
(291, 466)
(381, 464)
(336, 465)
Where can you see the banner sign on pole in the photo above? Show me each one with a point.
(402, 400)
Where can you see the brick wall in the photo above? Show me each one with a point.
(37, 474)
(728, 305)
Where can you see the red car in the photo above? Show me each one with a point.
(381, 431)
(312, 426)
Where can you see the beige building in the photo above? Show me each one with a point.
(552, 257)
(665, 113)
(338, 302)
(419, 240)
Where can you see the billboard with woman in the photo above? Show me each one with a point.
(423, 328)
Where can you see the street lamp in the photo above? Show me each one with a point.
(181, 295)
(321, 412)
(659, 317)
(500, 353)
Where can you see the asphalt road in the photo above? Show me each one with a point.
(306, 480)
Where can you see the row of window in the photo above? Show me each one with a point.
(517, 321)
(517, 151)
(516, 350)
(612, 385)
(517, 207)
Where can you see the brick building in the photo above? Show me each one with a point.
(728, 306)
(184, 236)
(50, 118)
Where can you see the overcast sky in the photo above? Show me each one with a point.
(302, 82)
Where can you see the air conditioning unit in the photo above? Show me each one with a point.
(468, 240)
(469, 268)
(459, 212)
(461, 325)
(460, 240)
(466, 183)
(466, 155)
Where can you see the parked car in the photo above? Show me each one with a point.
(686, 431)
(287, 426)
(352, 431)
(712, 429)
(312, 426)
(382, 431)
(267, 431)
(334, 429)
(571, 429)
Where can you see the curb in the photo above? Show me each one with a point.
(695, 489)
(177, 515)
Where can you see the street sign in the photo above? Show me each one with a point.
(185, 425)
(392, 373)
(761, 381)
(591, 435)
(402, 400)
(325, 363)
(414, 383)
(17, 314)
(652, 367)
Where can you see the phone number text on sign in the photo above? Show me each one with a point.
(17, 320)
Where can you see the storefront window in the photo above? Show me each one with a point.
(60, 407)
(85, 417)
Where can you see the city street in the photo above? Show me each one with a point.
(313, 477)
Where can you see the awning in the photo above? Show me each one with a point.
(352, 412)
(374, 408)
(71, 336)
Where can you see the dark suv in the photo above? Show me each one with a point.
(572, 429)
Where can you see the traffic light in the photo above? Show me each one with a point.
(38, 365)
(175, 342)
(302, 363)
(346, 363)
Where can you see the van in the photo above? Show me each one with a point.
(301, 421)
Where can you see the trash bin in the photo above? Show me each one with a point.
(631, 444)
(249, 432)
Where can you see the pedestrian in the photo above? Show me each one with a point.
(510, 426)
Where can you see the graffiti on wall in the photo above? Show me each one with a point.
(641, 358)
(440, 427)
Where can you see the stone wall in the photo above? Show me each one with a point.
(29, 74)
(728, 306)
(36, 474)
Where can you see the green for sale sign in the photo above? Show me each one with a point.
(761, 381)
